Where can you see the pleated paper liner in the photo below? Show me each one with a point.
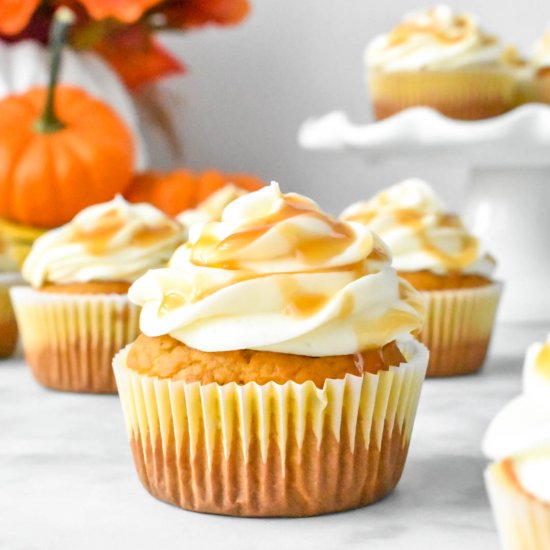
(272, 450)
(69, 340)
(522, 520)
(458, 327)
(460, 94)
(8, 325)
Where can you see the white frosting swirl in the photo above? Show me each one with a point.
(412, 222)
(435, 39)
(210, 210)
(112, 241)
(277, 274)
(524, 423)
(541, 52)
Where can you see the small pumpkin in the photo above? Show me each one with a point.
(60, 149)
(179, 190)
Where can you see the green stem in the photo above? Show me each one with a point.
(63, 19)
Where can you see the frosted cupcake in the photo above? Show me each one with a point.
(518, 440)
(76, 315)
(276, 374)
(440, 59)
(434, 252)
(8, 277)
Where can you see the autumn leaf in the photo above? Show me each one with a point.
(15, 14)
(137, 56)
(127, 11)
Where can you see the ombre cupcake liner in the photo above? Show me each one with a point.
(522, 520)
(8, 325)
(462, 95)
(274, 449)
(69, 340)
(458, 327)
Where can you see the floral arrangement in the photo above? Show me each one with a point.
(121, 31)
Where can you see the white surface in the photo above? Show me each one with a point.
(67, 479)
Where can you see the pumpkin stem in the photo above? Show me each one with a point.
(63, 19)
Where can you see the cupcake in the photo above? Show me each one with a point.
(276, 374)
(540, 61)
(440, 59)
(8, 277)
(518, 440)
(435, 253)
(76, 314)
(210, 209)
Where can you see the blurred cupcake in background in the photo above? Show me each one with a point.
(541, 64)
(441, 59)
(518, 440)
(76, 314)
(437, 255)
(276, 373)
(9, 277)
(524, 75)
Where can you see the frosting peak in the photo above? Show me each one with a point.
(112, 241)
(523, 424)
(421, 235)
(277, 274)
(436, 39)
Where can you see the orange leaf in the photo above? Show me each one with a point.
(137, 57)
(15, 14)
(127, 11)
(196, 13)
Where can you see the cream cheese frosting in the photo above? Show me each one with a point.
(532, 472)
(434, 39)
(277, 274)
(541, 52)
(210, 210)
(414, 223)
(112, 241)
(524, 423)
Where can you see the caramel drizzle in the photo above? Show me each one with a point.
(460, 29)
(311, 249)
(96, 240)
(542, 361)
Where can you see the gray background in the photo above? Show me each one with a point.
(250, 87)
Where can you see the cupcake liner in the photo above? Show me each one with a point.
(523, 522)
(463, 95)
(8, 325)
(273, 449)
(457, 328)
(542, 87)
(69, 340)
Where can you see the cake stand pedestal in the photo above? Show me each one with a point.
(507, 203)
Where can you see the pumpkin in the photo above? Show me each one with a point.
(179, 190)
(60, 149)
(25, 65)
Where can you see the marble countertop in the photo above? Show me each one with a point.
(67, 479)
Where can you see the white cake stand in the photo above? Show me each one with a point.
(507, 204)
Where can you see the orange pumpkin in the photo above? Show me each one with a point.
(179, 190)
(55, 162)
